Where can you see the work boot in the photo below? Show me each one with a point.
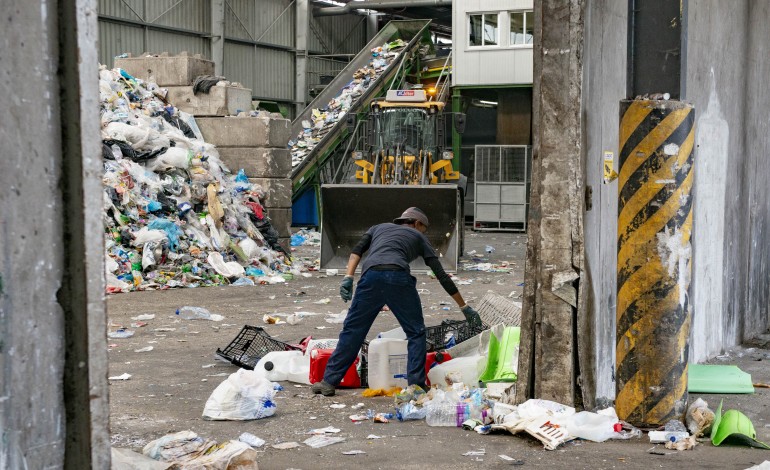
(323, 388)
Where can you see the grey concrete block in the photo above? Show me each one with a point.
(277, 191)
(257, 162)
(245, 131)
(179, 70)
(219, 101)
(281, 220)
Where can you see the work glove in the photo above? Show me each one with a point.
(471, 316)
(346, 288)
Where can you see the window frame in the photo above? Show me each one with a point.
(510, 31)
(483, 14)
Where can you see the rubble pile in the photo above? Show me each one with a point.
(324, 119)
(174, 215)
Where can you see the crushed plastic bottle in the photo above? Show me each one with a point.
(120, 333)
(489, 249)
(197, 313)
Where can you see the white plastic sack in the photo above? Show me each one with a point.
(250, 248)
(175, 157)
(140, 138)
(244, 395)
(229, 269)
(148, 255)
(145, 235)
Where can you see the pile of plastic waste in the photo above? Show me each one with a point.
(325, 118)
(174, 215)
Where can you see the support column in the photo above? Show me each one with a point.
(654, 260)
(300, 77)
(218, 35)
(548, 361)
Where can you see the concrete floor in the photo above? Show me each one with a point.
(170, 384)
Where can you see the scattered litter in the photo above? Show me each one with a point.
(357, 406)
(272, 320)
(358, 418)
(510, 460)
(125, 376)
(323, 301)
(383, 417)
(336, 317)
(684, 444)
(353, 452)
(285, 445)
(374, 436)
(326, 430)
(145, 349)
(337, 406)
(120, 334)
(186, 449)
(294, 318)
(164, 329)
(322, 441)
(251, 440)
(197, 313)
(138, 324)
(381, 392)
(475, 453)
(144, 316)
(332, 272)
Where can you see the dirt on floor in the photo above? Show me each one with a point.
(170, 384)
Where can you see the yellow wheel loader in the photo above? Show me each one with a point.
(401, 159)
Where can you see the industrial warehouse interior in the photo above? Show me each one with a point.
(301, 234)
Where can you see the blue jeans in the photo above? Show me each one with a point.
(375, 289)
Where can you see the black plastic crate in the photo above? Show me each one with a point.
(437, 336)
(251, 344)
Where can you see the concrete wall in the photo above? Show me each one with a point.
(604, 82)
(53, 364)
(491, 65)
(726, 68)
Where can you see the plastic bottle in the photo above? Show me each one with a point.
(277, 365)
(592, 426)
(661, 437)
(193, 313)
(443, 414)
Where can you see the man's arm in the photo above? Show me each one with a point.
(470, 314)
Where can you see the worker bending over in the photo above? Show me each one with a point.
(386, 280)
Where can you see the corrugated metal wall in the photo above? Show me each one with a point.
(259, 38)
(337, 34)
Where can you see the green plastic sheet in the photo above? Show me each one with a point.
(707, 378)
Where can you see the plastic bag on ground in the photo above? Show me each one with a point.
(244, 395)
(188, 450)
(699, 418)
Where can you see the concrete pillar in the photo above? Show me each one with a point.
(218, 35)
(549, 360)
(302, 19)
(53, 348)
(654, 260)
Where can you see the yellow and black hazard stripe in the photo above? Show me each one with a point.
(654, 229)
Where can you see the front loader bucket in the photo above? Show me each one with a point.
(348, 210)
